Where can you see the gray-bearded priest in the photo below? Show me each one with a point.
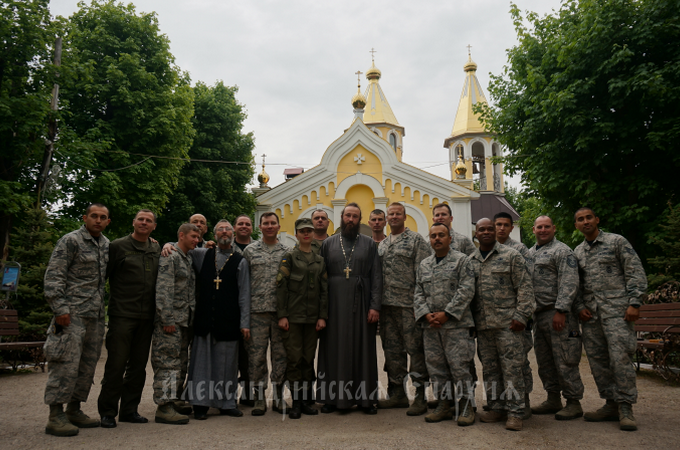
(348, 364)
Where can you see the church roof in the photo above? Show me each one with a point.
(466, 120)
(378, 110)
(490, 204)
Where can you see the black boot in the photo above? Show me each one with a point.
(295, 412)
(201, 412)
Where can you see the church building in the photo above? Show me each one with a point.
(364, 165)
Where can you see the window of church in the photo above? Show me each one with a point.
(393, 141)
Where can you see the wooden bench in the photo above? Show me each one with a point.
(9, 326)
(661, 323)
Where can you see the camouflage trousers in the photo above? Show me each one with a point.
(166, 349)
(264, 330)
(610, 345)
(185, 345)
(401, 336)
(448, 353)
(502, 355)
(75, 350)
(558, 354)
(527, 345)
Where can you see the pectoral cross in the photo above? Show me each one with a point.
(217, 283)
(347, 271)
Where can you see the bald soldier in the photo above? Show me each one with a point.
(202, 223)
(554, 273)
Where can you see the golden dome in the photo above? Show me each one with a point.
(373, 73)
(359, 101)
(470, 65)
(263, 177)
(460, 168)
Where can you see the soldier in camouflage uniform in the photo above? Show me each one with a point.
(504, 226)
(445, 286)
(554, 273)
(175, 302)
(503, 303)
(74, 288)
(263, 258)
(321, 222)
(613, 284)
(400, 254)
(441, 213)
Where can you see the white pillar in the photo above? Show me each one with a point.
(462, 215)
(338, 205)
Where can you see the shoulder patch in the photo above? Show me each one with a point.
(571, 261)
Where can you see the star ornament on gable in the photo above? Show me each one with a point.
(359, 159)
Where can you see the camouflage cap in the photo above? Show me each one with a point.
(303, 223)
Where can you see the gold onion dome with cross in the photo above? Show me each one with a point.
(263, 177)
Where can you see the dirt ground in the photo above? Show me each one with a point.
(23, 416)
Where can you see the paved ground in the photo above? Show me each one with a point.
(23, 416)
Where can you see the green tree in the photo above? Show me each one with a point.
(667, 238)
(215, 190)
(587, 107)
(124, 98)
(25, 40)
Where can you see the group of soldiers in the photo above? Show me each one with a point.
(437, 303)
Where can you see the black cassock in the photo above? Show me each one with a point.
(347, 371)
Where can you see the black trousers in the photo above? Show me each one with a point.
(128, 342)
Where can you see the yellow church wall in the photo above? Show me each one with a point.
(362, 195)
(369, 166)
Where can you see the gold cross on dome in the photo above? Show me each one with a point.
(469, 47)
(358, 73)
(373, 52)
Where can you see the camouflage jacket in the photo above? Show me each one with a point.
(448, 286)
(462, 243)
(503, 289)
(175, 289)
(264, 266)
(400, 259)
(519, 246)
(76, 275)
(302, 288)
(611, 274)
(554, 274)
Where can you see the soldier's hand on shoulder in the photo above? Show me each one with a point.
(209, 244)
(167, 250)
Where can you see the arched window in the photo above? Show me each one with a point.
(393, 141)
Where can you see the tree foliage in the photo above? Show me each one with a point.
(212, 189)
(667, 238)
(25, 40)
(587, 107)
(125, 98)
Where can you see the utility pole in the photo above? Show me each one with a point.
(52, 126)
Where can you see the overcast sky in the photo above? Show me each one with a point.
(294, 63)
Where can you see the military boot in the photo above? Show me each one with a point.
(573, 410)
(398, 399)
(182, 407)
(279, 404)
(608, 413)
(260, 402)
(466, 413)
(419, 405)
(626, 418)
(441, 412)
(552, 405)
(527, 408)
(78, 418)
(513, 423)
(169, 415)
(58, 424)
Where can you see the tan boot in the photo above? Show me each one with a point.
(608, 413)
(552, 405)
(182, 407)
(398, 399)
(626, 418)
(419, 405)
(513, 424)
(169, 415)
(441, 412)
(527, 408)
(260, 402)
(58, 424)
(573, 410)
(493, 416)
(78, 418)
(466, 413)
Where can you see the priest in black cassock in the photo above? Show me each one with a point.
(222, 315)
(347, 372)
